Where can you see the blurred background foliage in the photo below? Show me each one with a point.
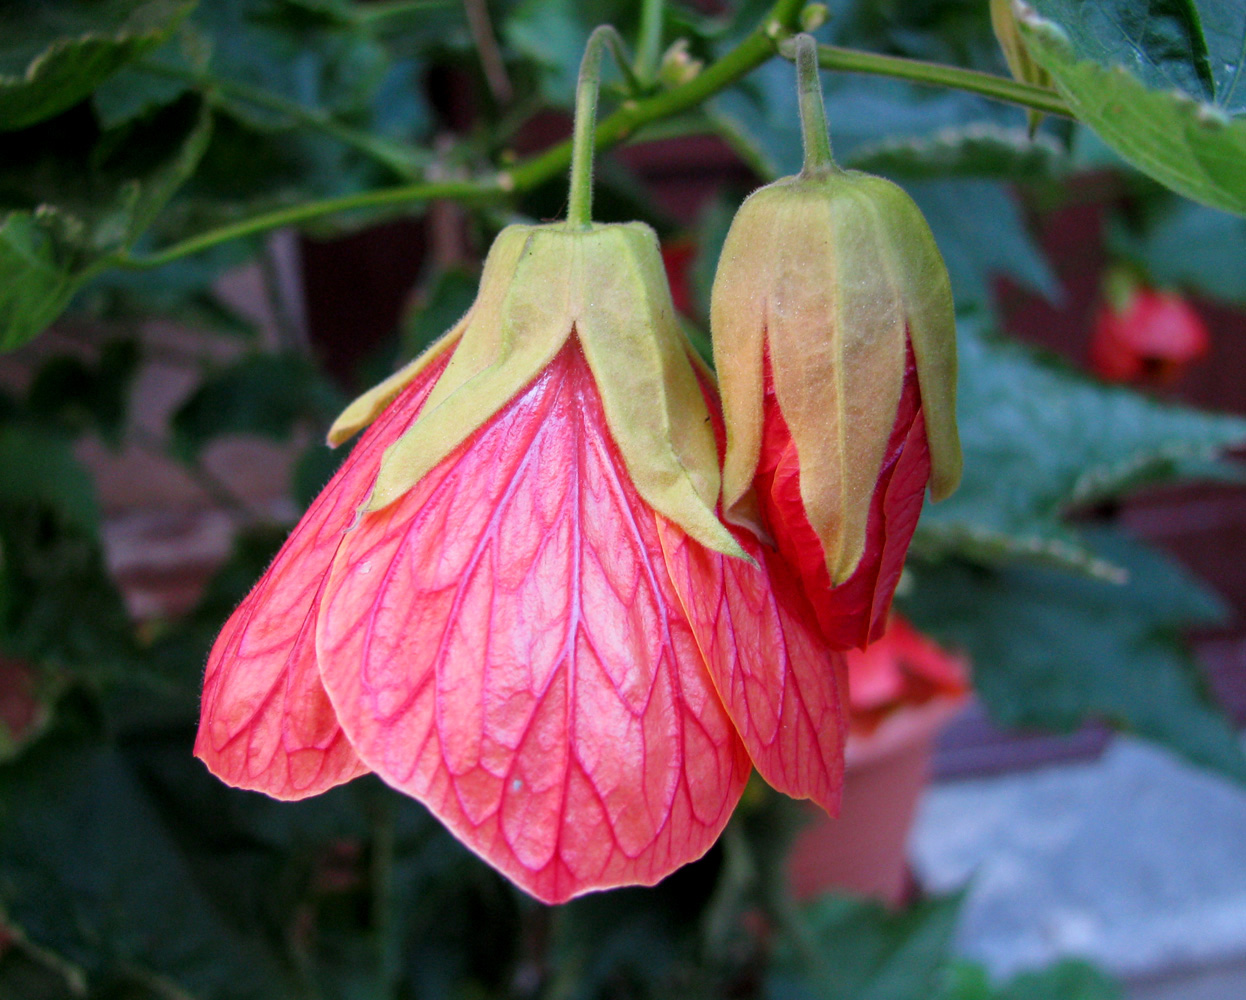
(131, 126)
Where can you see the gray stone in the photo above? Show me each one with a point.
(1136, 862)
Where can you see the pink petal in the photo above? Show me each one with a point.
(783, 686)
(265, 721)
(504, 644)
(854, 613)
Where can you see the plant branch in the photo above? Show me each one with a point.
(649, 41)
(402, 161)
(778, 26)
(406, 195)
(997, 88)
(781, 22)
(487, 47)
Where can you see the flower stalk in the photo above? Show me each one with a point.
(813, 129)
(580, 200)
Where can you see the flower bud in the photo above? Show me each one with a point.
(835, 344)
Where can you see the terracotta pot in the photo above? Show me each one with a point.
(863, 851)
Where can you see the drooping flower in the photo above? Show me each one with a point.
(515, 601)
(835, 346)
(1143, 334)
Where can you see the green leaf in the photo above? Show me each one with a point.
(263, 394)
(37, 279)
(981, 233)
(1040, 438)
(552, 33)
(75, 196)
(40, 469)
(857, 950)
(1191, 246)
(89, 870)
(77, 396)
(1162, 84)
(1068, 980)
(53, 53)
(979, 149)
(1050, 650)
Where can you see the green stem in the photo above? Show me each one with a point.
(406, 195)
(813, 131)
(997, 88)
(649, 41)
(758, 46)
(400, 160)
(755, 49)
(580, 201)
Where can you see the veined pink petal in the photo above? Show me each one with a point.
(265, 721)
(504, 643)
(854, 613)
(783, 686)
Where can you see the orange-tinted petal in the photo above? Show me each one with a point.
(265, 721)
(854, 613)
(504, 644)
(782, 685)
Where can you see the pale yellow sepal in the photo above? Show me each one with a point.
(364, 409)
(606, 286)
(514, 330)
(832, 275)
(638, 355)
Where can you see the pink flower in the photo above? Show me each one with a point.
(530, 618)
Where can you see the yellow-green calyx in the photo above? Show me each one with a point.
(606, 286)
(1019, 60)
(832, 276)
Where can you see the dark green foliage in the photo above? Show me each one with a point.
(1052, 651)
(53, 53)
(128, 872)
(263, 394)
(1041, 439)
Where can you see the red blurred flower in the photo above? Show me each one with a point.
(1144, 335)
(901, 668)
(539, 635)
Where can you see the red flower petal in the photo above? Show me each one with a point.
(504, 644)
(266, 723)
(854, 613)
(1155, 336)
(783, 686)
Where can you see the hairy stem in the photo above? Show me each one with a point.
(997, 88)
(813, 131)
(649, 41)
(580, 201)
